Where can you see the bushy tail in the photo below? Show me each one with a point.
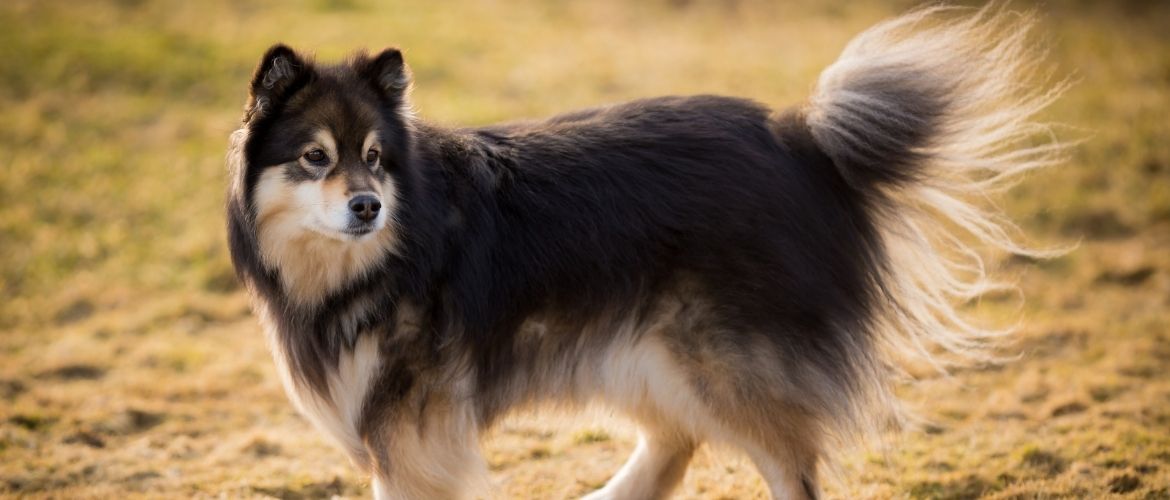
(929, 113)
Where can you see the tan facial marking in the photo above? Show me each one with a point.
(334, 191)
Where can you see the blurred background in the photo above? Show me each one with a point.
(130, 365)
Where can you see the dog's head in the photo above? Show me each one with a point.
(319, 165)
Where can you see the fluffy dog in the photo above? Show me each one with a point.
(711, 268)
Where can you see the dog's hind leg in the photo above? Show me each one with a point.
(743, 397)
(645, 383)
(652, 472)
(783, 438)
(790, 475)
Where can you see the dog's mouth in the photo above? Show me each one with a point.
(357, 230)
(352, 232)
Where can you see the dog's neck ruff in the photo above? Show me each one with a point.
(312, 266)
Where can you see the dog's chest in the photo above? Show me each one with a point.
(338, 411)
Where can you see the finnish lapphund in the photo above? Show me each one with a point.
(710, 268)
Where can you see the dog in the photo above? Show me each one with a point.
(708, 267)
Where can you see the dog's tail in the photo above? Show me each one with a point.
(925, 115)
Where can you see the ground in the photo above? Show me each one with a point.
(130, 364)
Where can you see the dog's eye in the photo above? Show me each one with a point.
(315, 156)
(372, 156)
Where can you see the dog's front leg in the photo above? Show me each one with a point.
(432, 453)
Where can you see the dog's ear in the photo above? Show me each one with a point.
(280, 73)
(387, 73)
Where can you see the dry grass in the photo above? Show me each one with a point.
(130, 366)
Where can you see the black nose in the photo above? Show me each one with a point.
(365, 207)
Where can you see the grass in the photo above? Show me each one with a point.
(130, 365)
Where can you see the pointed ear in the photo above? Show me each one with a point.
(280, 73)
(387, 73)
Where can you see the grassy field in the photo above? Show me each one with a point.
(130, 365)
